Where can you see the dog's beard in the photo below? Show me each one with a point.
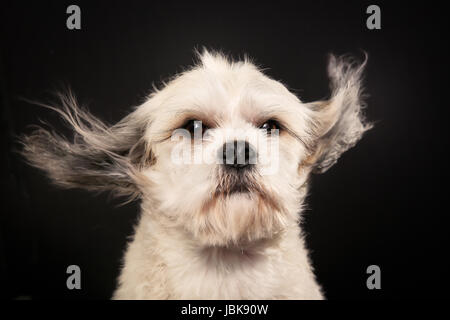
(232, 181)
(238, 211)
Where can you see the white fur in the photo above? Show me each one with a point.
(192, 242)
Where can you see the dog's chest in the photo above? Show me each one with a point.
(219, 275)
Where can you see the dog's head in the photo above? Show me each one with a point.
(222, 152)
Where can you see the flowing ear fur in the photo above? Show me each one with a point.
(99, 157)
(338, 122)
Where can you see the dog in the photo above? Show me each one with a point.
(221, 200)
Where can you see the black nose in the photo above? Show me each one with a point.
(238, 154)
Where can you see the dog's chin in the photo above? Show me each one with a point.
(238, 216)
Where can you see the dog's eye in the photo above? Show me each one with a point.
(270, 125)
(194, 126)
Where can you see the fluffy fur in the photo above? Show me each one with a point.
(196, 239)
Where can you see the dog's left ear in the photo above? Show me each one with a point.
(338, 122)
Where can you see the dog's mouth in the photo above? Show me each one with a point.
(234, 182)
(244, 187)
(238, 188)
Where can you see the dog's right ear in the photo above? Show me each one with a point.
(99, 158)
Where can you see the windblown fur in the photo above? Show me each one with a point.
(199, 238)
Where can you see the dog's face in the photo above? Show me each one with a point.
(222, 151)
(218, 111)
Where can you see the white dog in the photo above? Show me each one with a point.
(225, 229)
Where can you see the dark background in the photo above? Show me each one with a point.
(383, 203)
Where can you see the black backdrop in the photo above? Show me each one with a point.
(380, 204)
